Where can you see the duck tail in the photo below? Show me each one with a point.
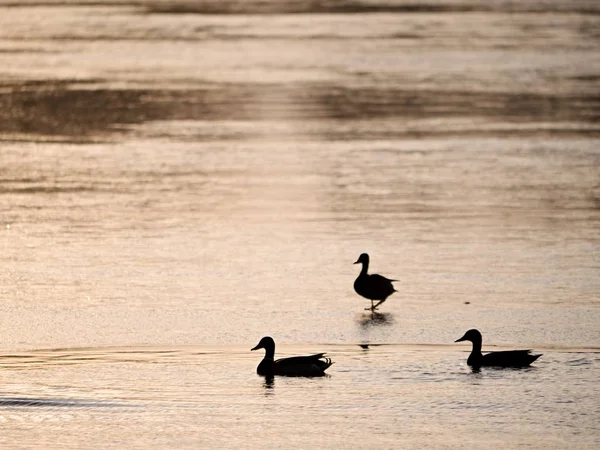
(534, 357)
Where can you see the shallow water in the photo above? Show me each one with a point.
(179, 179)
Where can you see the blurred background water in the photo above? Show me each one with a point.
(181, 178)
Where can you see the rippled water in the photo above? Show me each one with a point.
(178, 179)
(387, 396)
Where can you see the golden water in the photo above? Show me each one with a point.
(175, 185)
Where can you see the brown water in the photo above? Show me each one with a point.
(179, 179)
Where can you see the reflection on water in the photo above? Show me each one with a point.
(80, 110)
(477, 370)
(375, 318)
(269, 384)
(356, 6)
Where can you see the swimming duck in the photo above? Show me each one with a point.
(511, 358)
(374, 286)
(296, 366)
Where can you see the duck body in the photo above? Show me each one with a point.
(296, 366)
(374, 287)
(510, 358)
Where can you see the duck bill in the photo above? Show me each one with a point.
(461, 339)
(356, 262)
(255, 348)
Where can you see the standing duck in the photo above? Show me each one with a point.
(511, 358)
(296, 366)
(374, 286)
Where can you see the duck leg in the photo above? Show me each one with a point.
(371, 308)
(379, 303)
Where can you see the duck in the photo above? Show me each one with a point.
(374, 286)
(296, 366)
(510, 358)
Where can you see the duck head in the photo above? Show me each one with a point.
(267, 343)
(363, 258)
(472, 335)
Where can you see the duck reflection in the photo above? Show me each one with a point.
(375, 318)
(269, 385)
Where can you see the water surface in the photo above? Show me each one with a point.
(179, 179)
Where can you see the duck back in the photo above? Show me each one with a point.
(302, 366)
(511, 358)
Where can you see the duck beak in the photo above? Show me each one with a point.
(255, 348)
(356, 262)
(461, 339)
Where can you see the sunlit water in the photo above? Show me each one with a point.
(179, 179)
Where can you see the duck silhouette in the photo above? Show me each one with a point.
(296, 366)
(510, 358)
(374, 286)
